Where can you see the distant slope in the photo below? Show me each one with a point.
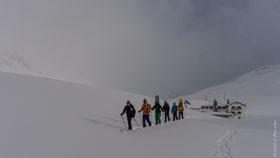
(260, 89)
(15, 63)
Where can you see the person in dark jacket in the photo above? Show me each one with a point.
(166, 110)
(174, 111)
(158, 110)
(130, 113)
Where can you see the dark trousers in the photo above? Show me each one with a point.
(181, 115)
(146, 118)
(175, 116)
(167, 117)
(129, 122)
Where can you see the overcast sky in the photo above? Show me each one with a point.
(166, 47)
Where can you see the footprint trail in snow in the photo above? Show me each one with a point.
(223, 144)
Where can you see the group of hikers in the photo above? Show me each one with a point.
(146, 111)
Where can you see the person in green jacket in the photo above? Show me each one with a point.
(158, 109)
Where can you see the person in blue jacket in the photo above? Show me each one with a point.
(174, 111)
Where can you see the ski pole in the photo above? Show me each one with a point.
(152, 118)
(124, 122)
(140, 117)
(136, 122)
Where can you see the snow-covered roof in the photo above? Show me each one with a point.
(237, 103)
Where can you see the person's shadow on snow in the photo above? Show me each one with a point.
(103, 123)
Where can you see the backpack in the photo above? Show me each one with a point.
(174, 108)
(180, 101)
(158, 108)
(181, 108)
(146, 108)
(166, 107)
(132, 111)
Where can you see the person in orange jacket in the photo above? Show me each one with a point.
(181, 110)
(146, 108)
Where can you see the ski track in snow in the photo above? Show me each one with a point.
(223, 144)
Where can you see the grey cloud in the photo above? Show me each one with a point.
(150, 47)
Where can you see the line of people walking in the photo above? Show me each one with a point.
(146, 112)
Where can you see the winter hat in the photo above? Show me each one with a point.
(128, 102)
(145, 100)
(174, 103)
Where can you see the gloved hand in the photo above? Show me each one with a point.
(121, 114)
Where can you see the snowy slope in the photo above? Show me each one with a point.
(260, 90)
(49, 118)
